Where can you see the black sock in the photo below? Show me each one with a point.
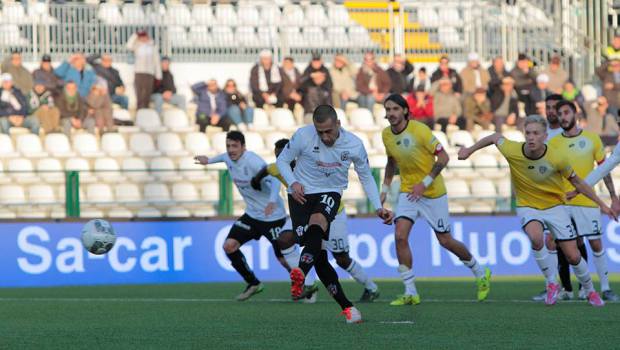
(329, 277)
(313, 238)
(583, 251)
(237, 260)
(564, 270)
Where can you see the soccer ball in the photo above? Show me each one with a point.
(98, 236)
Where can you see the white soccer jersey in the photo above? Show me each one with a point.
(605, 168)
(241, 172)
(553, 132)
(321, 169)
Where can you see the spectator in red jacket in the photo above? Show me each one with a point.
(421, 106)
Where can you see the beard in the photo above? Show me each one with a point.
(570, 125)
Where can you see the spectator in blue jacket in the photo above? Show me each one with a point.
(212, 105)
(14, 108)
(76, 70)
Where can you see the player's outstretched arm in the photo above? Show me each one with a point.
(204, 160)
(466, 152)
(605, 168)
(390, 170)
(587, 191)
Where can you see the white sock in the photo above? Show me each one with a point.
(546, 264)
(475, 267)
(408, 279)
(310, 278)
(583, 275)
(600, 261)
(359, 275)
(291, 255)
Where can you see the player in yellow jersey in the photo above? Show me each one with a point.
(537, 172)
(338, 243)
(585, 149)
(411, 146)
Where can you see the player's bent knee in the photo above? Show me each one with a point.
(318, 219)
(445, 239)
(230, 246)
(537, 244)
(286, 240)
(343, 259)
(596, 245)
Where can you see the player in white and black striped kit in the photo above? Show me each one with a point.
(323, 153)
(264, 214)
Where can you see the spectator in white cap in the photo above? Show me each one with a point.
(266, 81)
(536, 103)
(14, 108)
(474, 76)
(100, 106)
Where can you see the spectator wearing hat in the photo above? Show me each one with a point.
(239, 111)
(14, 108)
(75, 70)
(536, 102)
(291, 79)
(478, 110)
(447, 106)
(399, 72)
(557, 75)
(444, 71)
(116, 89)
(598, 118)
(497, 72)
(266, 81)
(45, 73)
(505, 105)
(73, 110)
(165, 90)
(372, 82)
(100, 106)
(343, 75)
(147, 66)
(212, 106)
(41, 106)
(22, 79)
(474, 76)
(524, 77)
(421, 107)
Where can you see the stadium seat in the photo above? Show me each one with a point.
(462, 168)
(156, 192)
(148, 120)
(338, 15)
(13, 12)
(164, 169)
(427, 16)
(12, 194)
(178, 14)
(457, 189)
(86, 145)
(21, 170)
(51, 170)
(192, 171)
(342, 117)
(247, 14)
(197, 143)
(377, 142)
(29, 145)
(127, 193)
(6, 147)
(41, 194)
(6, 214)
(199, 36)
(449, 14)
(108, 170)
(266, 37)
(362, 119)
(58, 145)
(177, 36)
(254, 142)
(480, 208)
(450, 37)
(148, 212)
(114, 145)
(210, 191)
(483, 189)
(225, 15)
(337, 37)
(514, 135)
(461, 138)
(261, 120)
(246, 37)
(203, 14)
(185, 192)
(133, 14)
(136, 170)
(316, 36)
(218, 142)
(120, 213)
(486, 165)
(293, 38)
(272, 137)
(142, 144)
(109, 13)
(315, 15)
(170, 144)
(99, 194)
(83, 167)
(270, 14)
(223, 37)
(504, 188)
(293, 14)
(362, 136)
(91, 213)
(176, 120)
(284, 119)
(359, 37)
(178, 212)
(204, 212)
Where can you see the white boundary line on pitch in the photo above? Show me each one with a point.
(212, 300)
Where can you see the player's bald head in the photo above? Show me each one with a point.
(324, 113)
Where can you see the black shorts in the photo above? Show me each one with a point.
(325, 203)
(247, 228)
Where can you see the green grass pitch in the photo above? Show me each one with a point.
(204, 316)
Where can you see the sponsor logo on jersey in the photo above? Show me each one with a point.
(344, 156)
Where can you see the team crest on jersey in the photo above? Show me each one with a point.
(245, 171)
(406, 142)
(542, 169)
(344, 156)
(582, 144)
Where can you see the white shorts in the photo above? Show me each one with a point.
(556, 220)
(433, 210)
(586, 220)
(338, 235)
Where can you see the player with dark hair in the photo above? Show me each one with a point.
(264, 214)
(411, 146)
(323, 153)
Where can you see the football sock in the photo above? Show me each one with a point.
(600, 261)
(237, 260)
(291, 255)
(313, 239)
(564, 270)
(583, 251)
(408, 279)
(583, 275)
(359, 275)
(329, 277)
(474, 266)
(548, 268)
(310, 279)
